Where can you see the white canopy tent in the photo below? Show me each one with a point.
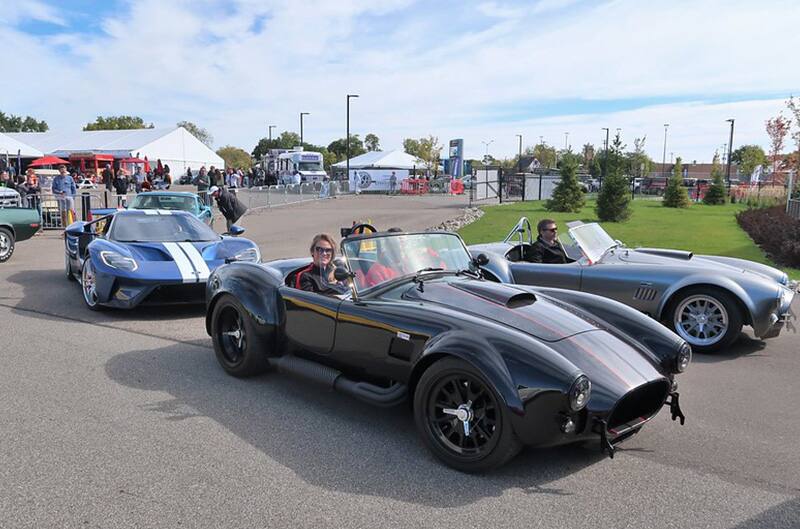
(175, 147)
(396, 159)
(12, 146)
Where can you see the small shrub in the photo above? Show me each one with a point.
(775, 232)
(568, 195)
(675, 195)
(716, 192)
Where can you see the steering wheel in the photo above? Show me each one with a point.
(360, 229)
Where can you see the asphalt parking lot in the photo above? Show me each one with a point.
(119, 419)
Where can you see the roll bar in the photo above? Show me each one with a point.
(523, 225)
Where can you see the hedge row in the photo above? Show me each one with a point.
(775, 232)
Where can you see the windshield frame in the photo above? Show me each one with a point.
(592, 254)
(402, 278)
(194, 208)
(188, 217)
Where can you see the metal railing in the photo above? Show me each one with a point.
(793, 208)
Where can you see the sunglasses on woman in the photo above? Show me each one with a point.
(324, 251)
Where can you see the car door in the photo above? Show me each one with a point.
(567, 276)
(310, 324)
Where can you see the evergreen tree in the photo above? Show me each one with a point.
(675, 195)
(716, 192)
(568, 194)
(614, 199)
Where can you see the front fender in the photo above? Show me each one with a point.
(719, 281)
(654, 340)
(498, 266)
(256, 288)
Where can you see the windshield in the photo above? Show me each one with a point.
(160, 228)
(377, 260)
(180, 203)
(593, 240)
(309, 166)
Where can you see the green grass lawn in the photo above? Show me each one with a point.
(701, 229)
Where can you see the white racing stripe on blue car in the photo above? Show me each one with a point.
(182, 262)
(198, 262)
(150, 212)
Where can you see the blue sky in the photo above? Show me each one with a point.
(478, 70)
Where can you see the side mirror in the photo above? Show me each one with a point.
(236, 230)
(481, 259)
(76, 231)
(342, 274)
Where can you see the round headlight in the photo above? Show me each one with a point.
(579, 393)
(684, 358)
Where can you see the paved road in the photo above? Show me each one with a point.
(127, 421)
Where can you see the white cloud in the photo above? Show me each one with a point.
(417, 69)
(20, 11)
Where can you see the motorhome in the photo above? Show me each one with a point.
(297, 166)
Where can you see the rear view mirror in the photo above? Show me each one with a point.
(481, 259)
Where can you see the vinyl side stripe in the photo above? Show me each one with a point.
(197, 260)
(182, 262)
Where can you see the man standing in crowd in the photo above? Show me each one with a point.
(548, 249)
(6, 181)
(121, 186)
(108, 178)
(138, 178)
(202, 184)
(30, 190)
(64, 189)
(230, 206)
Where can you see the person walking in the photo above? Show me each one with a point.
(121, 186)
(392, 183)
(230, 206)
(65, 190)
(30, 190)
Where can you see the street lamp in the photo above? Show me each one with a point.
(566, 139)
(605, 160)
(730, 152)
(301, 126)
(348, 133)
(487, 149)
(664, 156)
(270, 131)
(519, 160)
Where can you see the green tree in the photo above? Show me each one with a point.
(715, 194)
(675, 195)
(235, 157)
(613, 201)
(287, 140)
(198, 132)
(748, 158)
(544, 153)
(568, 195)
(426, 149)
(12, 123)
(372, 142)
(637, 161)
(117, 123)
(339, 147)
(569, 158)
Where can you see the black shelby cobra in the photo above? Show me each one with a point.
(488, 367)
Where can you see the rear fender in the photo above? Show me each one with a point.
(257, 288)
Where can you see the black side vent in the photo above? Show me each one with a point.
(645, 294)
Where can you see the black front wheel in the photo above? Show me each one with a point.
(238, 347)
(6, 245)
(462, 419)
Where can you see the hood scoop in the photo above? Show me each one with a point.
(508, 297)
(674, 254)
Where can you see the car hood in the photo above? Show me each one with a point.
(706, 263)
(509, 305)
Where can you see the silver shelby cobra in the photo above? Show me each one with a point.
(705, 299)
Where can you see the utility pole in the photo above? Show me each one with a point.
(301, 126)
(270, 131)
(664, 156)
(566, 140)
(347, 140)
(519, 160)
(603, 174)
(730, 151)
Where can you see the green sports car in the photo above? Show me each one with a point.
(16, 224)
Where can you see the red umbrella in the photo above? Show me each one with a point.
(132, 160)
(48, 160)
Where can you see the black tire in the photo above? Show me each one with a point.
(243, 354)
(7, 244)
(491, 436)
(721, 306)
(88, 285)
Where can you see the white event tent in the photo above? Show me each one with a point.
(175, 147)
(11, 147)
(396, 159)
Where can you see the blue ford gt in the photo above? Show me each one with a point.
(151, 255)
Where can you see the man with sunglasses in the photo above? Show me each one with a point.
(548, 249)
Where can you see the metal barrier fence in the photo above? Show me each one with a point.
(279, 195)
(793, 208)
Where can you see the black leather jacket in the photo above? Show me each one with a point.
(544, 253)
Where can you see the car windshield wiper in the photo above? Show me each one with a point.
(427, 269)
(468, 272)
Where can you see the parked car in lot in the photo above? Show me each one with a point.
(9, 198)
(154, 256)
(488, 367)
(16, 224)
(705, 299)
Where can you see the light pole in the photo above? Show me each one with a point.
(519, 160)
(270, 131)
(566, 140)
(664, 156)
(301, 126)
(605, 160)
(730, 151)
(348, 133)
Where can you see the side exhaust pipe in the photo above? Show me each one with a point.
(332, 378)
